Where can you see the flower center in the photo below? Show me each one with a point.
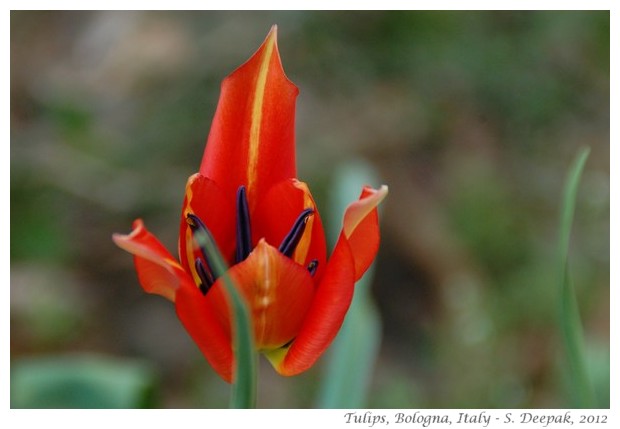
(244, 246)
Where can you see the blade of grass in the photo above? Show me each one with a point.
(352, 356)
(243, 393)
(570, 321)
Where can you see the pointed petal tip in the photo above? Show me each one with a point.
(272, 37)
(269, 45)
(271, 42)
(273, 31)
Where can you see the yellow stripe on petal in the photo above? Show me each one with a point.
(301, 251)
(278, 293)
(257, 108)
(252, 137)
(189, 236)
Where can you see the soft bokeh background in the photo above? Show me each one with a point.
(471, 118)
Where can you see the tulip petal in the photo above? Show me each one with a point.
(205, 199)
(276, 213)
(325, 316)
(159, 273)
(350, 258)
(252, 139)
(199, 315)
(277, 291)
(361, 227)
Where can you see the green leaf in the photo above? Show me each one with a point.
(243, 393)
(81, 381)
(570, 321)
(352, 356)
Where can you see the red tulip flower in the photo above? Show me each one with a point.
(267, 227)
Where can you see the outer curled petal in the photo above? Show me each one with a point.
(334, 294)
(361, 228)
(158, 271)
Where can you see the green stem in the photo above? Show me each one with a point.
(245, 380)
(243, 394)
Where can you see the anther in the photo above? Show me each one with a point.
(244, 234)
(292, 238)
(196, 224)
(206, 278)
(312, 266)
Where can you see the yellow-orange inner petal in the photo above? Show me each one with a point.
(277, 291)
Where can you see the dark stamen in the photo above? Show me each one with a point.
(196, 224)
(312, 266)
(244, 234)
(206, 277)
(292, 238)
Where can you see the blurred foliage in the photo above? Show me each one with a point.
(81, 382)
(471, 118)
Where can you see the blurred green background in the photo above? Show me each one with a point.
(471, 118)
